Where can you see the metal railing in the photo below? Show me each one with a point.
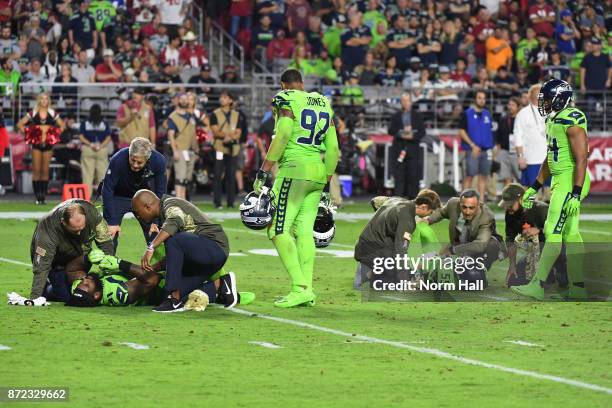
(224, 48)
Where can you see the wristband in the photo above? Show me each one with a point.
(124, 266)
(536, 185)
(577, 190)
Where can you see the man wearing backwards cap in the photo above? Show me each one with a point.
(529, 225)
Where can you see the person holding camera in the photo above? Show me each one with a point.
(225, 125)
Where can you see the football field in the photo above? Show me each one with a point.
(344, 352)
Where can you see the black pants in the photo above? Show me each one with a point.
(191, 260)
(225, 175)
(407, 174)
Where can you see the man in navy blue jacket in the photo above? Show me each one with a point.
(131, 169)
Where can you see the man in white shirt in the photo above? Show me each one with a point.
(530, 138)
(173, 13)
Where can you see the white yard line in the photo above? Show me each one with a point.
(135, 346)
(3, 347)
(524, 343)
(265, 344)
(12, 261)
(592, 231)
(430, 351)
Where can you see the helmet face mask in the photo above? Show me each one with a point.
(324, 228)
(257, 211)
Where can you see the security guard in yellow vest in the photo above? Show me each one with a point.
(182, 139)
(224, 122)
(135, 119)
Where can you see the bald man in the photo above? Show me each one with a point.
(196, 249)
(60, 241)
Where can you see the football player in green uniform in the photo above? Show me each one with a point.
(566, 133)
(304, 129)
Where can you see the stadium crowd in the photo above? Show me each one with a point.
(434, 50)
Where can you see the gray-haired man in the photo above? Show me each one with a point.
(131, 169)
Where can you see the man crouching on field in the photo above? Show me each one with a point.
(60, 242)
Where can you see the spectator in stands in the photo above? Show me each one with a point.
(352, 93)
(542, 17)
(125, 54)
(64, 51)
(95, 134)
(428, 46)
(229, 75)
(9, 46)
(108, 70)
(453, 42)
(135, 119)
(280, 47)
(205, 78)
(66, 96)
(400, 42)
(6, 13)
(422, 90)
(482, 81)
(82, 29)
(44, 126)
(170, 58)
(355, 41)
(160, 39)
(8, 74)
(505, 149)
(525, 46)
(590, 18)
(192, 54)
(82, 71)
(35, 75)
(459, 74)
(183, 142)
(224, 123)
(530, 136)
(35, 37)
(483, 28)
(476, 131)
(557, 68)
(314, 34)
(595, 70)
(566, 34)
(300, 41)
(298, 12)
(522, 79)
(261, 37)
(368, 70)
(499, 52)
(390, 75)
(539, 58)
(412, 75)
(51, 66)
(407, 128)
(275, 9)
(241, 12)
(445, 88)
(173, 13)
(505, 83)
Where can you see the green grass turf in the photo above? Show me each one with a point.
(198, 359)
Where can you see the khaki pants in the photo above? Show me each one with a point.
(183, 169)
(93, 165)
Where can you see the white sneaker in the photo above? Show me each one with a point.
(197, 300)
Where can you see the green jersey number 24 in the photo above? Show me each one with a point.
(309, 122)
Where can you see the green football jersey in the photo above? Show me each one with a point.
(313, 116)
(560, 157)
(103, 13)
(114, 291)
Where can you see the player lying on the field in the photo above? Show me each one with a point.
(393, 229)
(190, 238)
(304, 129)
(566, 162)
(120, 283)
(525, 227)
(63, 237)
(471, 232)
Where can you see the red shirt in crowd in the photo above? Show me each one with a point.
(542, 11)
(105, 69)
(486, 29)
(241, 8)
(194, 56)
(278, 48)
(462, 77)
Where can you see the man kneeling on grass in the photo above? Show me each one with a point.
(190, 238)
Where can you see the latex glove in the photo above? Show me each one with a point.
(95, 256)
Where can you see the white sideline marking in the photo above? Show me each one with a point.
(12, 261)
(135, 346)
(265, 344)
(236, 254)
(524, 343)
(431, 351)
(3, 347)
(592, 231)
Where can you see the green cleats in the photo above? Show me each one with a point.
(575, 293)
(532, 290)
(245, 298)
(296, 298)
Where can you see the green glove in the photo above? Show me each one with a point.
(572, 205)
(95, 269)
(109, 264)
(529, 198)
(95, 256)
(262, 179)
